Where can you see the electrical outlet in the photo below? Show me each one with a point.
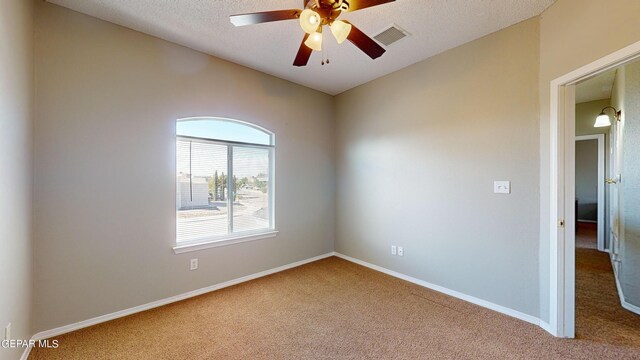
(400, 251)
(193, 264)
(393, 250)
(7, 332)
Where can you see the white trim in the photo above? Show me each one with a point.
(589, 222)
(588, 137)
(554, 213)
(559, 304)
(118, 314)
(272, 135)
(633, 308)
(474, 300)
(601, 190)
(188, 247)
(26, 352)
(546, 326)
(569, 262)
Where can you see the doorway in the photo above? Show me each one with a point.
(562, 211)
(590, 191)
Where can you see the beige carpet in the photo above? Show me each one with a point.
(334, 309)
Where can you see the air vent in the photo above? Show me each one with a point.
(391, 35)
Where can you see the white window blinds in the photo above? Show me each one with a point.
(223, 189)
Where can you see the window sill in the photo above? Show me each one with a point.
(184, 248)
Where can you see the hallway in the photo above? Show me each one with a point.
(599, 315)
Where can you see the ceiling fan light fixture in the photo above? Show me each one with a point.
(340, 30)
(314, 41)
(309, 21)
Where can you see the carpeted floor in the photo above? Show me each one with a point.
(599, 316)
(334, 309)
(587, 235)
(596, 318)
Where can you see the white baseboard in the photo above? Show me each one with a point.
(118, 314)
(631, 307)
(623, 302)
(484, 303)
(547, 327)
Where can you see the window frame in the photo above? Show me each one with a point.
(231, 237)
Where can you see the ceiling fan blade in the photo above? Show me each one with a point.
(263, 17)
(364, 42)
(304, 53)
(353, 5)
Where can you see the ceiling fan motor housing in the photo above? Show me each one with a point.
(329, 10)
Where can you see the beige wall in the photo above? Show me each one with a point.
(572, 35)
(106, 106)
(418, 151)
(16, 144)
(416, 114)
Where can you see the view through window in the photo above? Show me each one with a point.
(224, 180)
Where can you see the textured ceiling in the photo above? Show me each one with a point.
(596, 88)
(434, 25)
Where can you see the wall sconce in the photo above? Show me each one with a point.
(603, 119)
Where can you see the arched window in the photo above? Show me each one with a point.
(224, 182)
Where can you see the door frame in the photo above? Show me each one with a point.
(562, 188)
(601, 190)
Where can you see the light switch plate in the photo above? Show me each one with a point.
(502, 187)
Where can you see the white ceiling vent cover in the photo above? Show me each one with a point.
(390, 35)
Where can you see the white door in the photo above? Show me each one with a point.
(616, 138)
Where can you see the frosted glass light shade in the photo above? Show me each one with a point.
(340, 30)
(309, 21)
(314, 41)
(602, 120)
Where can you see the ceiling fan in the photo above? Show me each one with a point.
(316, 15)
